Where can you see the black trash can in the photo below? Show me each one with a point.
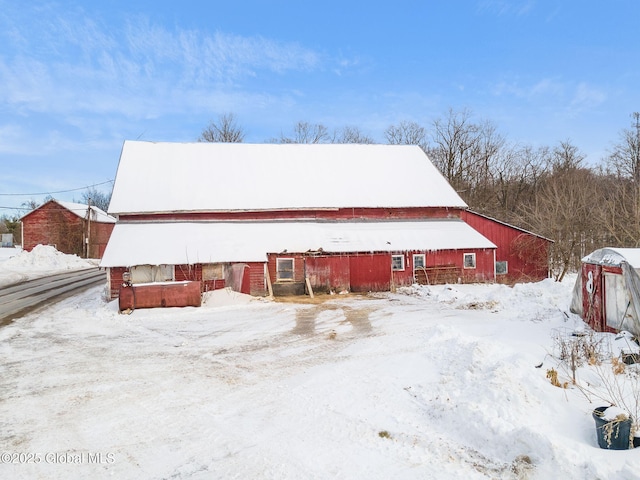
(612, 434)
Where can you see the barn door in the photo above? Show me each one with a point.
(370, 273)
(592, 296)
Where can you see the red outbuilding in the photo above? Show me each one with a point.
(521, 256)
(284, 219)
(72, 228)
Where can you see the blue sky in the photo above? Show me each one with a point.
(79, 78)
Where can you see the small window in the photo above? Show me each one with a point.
(397, 262)
(284, 268)
(502, 268)
(469, 260)
(419, 261)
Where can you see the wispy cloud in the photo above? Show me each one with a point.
(73, 64)
(586, 97)
(574, 96)
(546, 87)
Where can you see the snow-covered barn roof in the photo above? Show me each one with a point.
(80, 209)
(194, 177)
(211, 242)
(614, 256)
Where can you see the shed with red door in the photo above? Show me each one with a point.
(607, 290)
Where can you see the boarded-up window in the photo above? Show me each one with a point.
(152, 273)
(212, 271)
(284, 268)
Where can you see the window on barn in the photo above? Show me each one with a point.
(469, 260)
(152, 273)
(284, 268)
(419, 261)
(502, 268)
(397, 263)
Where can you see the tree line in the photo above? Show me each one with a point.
(548, 190)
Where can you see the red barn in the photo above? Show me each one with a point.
(521, 256)
(279, 219)
(72, 228)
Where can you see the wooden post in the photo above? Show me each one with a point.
(306, 280)
(266, 275)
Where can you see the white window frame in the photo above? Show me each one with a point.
(506, 267)
(423, 258)
(393, 267)
(280, 270)
(473, 261)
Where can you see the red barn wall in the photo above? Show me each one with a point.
(52, 224)
(527, 254)
(99, 237)
(328, 273)
(449, 264)
(370, 272)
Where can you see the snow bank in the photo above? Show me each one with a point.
(19, 265)
(226, 296)
(46, 257)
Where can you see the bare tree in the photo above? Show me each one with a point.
(565, 157)
(95, 197)
(625, 157)
(224, 130)
(351, 134)
(407, 133)
(515, 173)
(305, 132)
(464, 152)
(563, 209)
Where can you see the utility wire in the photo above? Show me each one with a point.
(59, 191)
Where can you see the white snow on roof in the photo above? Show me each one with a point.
(613, 256)
(80, 209)
(184, 177)
(211, 242)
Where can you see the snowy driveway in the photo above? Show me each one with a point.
(439, 384)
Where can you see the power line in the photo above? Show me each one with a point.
(59, 191)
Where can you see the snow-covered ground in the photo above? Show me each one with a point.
(17, 265)
(439, 382)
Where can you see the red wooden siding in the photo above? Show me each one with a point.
(526, 254)
(52, 224)
(252, 281)
(99, 237)
(594, 295)
(328, 273)
(370, 272)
